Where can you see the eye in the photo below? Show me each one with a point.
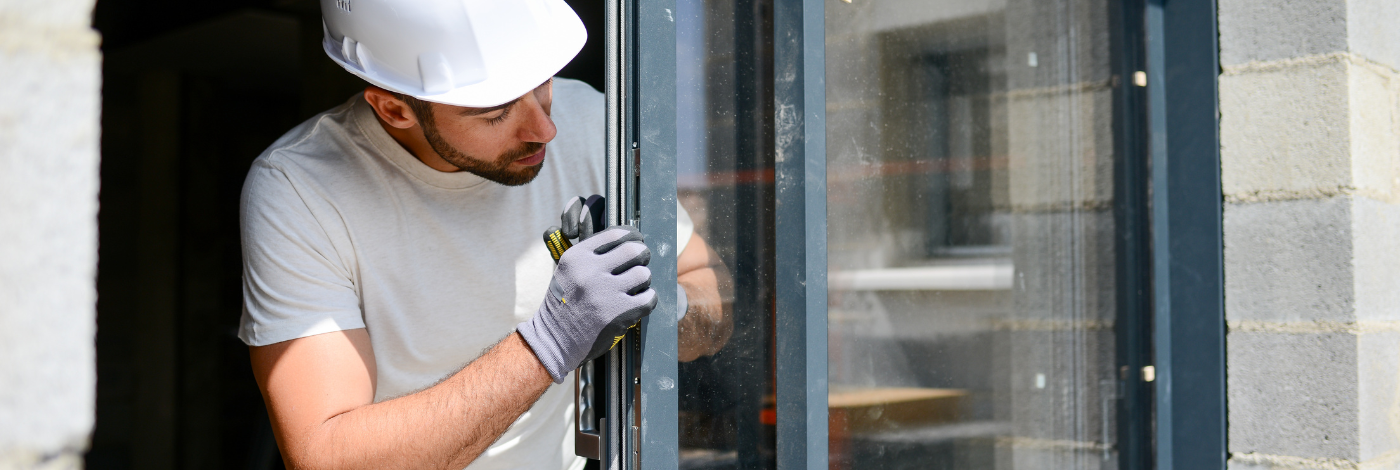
(499, 119)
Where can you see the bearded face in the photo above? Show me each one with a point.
(504, 143)
(498, 169)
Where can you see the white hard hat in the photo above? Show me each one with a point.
(473, 53)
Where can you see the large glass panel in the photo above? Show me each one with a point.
(725, 182)
(970, 152)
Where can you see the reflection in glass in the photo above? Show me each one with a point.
(725, 182)
(970, 229)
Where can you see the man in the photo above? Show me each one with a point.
(400, 307)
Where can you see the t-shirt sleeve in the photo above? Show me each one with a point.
(295, 284)
(684, 228)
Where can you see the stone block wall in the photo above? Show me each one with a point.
(50, 82)
(1310, 157)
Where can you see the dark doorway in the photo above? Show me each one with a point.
(192, 93)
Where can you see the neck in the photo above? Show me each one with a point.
(412, 140)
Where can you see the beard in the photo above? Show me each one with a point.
(496, 170)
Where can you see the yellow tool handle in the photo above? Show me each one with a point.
(556, 242)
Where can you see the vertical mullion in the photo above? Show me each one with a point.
(800, 238)
(656, 136)
(1189, 322)
(1133, 239)
(1161, 232)
(612, 363)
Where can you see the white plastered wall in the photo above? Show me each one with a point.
(50, 80)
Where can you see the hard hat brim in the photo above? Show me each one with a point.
(550, 52)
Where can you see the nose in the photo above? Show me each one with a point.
(537, 125)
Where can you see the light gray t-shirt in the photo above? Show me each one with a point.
(343, 229)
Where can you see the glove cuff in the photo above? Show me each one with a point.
(540, 340)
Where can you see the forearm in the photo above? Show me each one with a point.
(445, 426)
(707, 324)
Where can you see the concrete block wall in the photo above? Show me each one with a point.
(1060, 156)
(1310, 162)
(1045, 346)
(49, 107)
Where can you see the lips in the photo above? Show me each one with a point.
(533, 159)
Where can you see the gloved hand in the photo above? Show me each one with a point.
(601, 287)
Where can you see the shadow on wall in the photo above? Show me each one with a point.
(192, 93)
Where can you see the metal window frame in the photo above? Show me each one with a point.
(1133, 238)
(658, 377)
(1168, 205)
(799, 74)
(1183, 67)
(640, 93)
(800, 219)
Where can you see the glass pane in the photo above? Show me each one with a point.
(971, 234)
(725, 182)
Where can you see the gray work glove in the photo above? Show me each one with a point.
(601, 287)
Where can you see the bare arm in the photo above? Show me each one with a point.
(320, 393)
(709, 289)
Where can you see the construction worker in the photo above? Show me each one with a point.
(400, 306)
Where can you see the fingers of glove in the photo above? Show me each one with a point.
(585, 223)
(569, 219)
(628, 256)
(644, 302)
(622, 257)
(597, 209)
(595, 204)
(645, 309)
(635, 280)
(606, 240)
(589, 256)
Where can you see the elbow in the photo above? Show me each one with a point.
(302, 455)
(313, 451)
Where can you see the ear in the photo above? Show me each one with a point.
(391, 110)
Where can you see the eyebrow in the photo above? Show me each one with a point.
(480, 111)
